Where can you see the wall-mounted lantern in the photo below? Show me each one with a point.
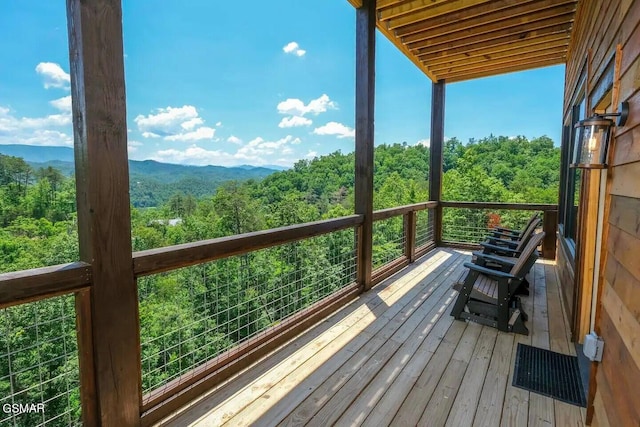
(593, 141)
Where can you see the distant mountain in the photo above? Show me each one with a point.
(32, 153)
(151, 183)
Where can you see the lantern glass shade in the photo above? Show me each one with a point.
(592, 144)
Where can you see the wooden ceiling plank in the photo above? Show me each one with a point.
(499, 61)
(387, 3)
(519, 32)
(452, 78)
(492, 31)
(422, 14)
(521, 13)
(407, 7)
(356, 3)
(522, 46)
(468, 13)
(525, 52)
(496, 43)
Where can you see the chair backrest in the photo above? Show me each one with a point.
(524, 230)
(527, 233)
(528, 256)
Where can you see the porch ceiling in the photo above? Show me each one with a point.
(459, 40)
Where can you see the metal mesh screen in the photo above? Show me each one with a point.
(464, 225)
(388, 240)
(191, 315)
(424, 227)
(39, 377)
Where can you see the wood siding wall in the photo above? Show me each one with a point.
(600, 26)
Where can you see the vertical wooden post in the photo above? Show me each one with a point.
(365, 93)
(550, 227)
(104, 217)
(436, 147)
(410, 235)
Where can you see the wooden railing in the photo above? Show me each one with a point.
(42, 283)
(549, 221)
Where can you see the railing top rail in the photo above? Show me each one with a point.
(401, 210)
(39, 283)
(173, 257)
(496, 205)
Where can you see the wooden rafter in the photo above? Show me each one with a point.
(497, 43)
(497, 59)
(461, 38)
(444, 42)
(487, 23)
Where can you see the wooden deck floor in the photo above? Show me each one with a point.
(396, 357)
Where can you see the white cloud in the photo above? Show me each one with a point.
(190, 124)
(335, 128)
(219, 124)
(234, 140)
(10, 123)
(54, 75)
(132, 146)
(198, 134)
(294, 49)
(293, 121)
(62, 104)
(297, 107)
(258, 151)
(425, 142)
(174, 124)
(311, 154)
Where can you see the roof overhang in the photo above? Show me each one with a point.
(455, 40)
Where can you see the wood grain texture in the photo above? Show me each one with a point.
(505, 206)
(154, 261)
(102, 193)
(550, 228)
(32, 285)
(364, 129)
(618, 376)
(438, 100)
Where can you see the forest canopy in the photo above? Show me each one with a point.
(190, 315)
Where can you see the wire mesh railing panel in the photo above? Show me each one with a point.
(388, 240)
(39, 376)
(424, 227)
(471, 226)
(190, 316)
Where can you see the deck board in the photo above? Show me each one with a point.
(396, 357)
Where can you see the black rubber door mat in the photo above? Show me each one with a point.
(549, 373)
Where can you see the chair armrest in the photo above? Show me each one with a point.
(506, 230)
(510, 243)
(488, 271)
(497, 248)
(498, 260)
(512, 236)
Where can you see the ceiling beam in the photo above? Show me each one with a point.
(521, 31)
(499, 61)
(508, 17)
(521, 47)
(422, 14)
(563, 29)
(492, 31)
(468, 13)
(520, 66)
(409, 7)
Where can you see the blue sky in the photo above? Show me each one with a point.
(270, 84)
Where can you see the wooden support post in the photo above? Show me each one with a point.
(436, 148)
(365, 93)
(104, 217)
(410, 235)
(550, 227)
